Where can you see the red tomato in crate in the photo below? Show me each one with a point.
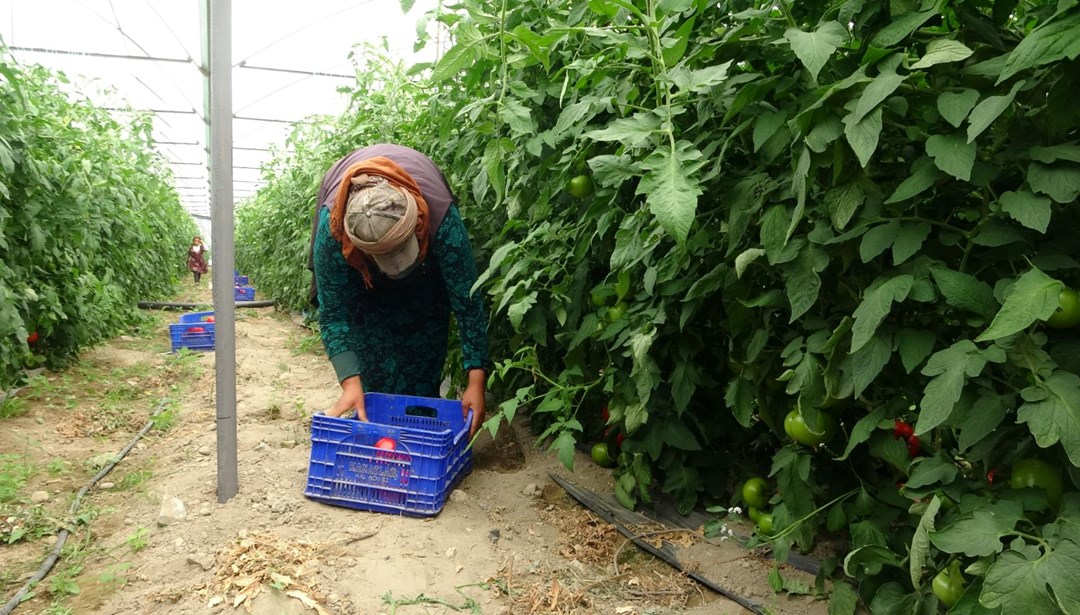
(196, 330)
(386, 444)
(208, 319)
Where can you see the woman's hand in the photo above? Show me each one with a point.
(473, 398)
(352, 397)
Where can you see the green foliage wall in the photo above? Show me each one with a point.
(865, 209)
(89, 221)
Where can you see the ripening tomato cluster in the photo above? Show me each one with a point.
(904, 430)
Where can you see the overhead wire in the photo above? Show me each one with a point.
(301, 29)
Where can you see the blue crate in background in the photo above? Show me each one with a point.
(415, 478)
(186, 334)
(244, 293)
(240, 280)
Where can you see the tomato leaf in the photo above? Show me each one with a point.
(792, 471)
(843, 600)
(924, 174)
(677, 434)
(900, 27)
(952, 154)
(978, 533)
(1033, 297)
(700, 80)
(843, 202)
(863, 134)
(739, 397)
(875, 92)
(914, 346)
(1052, 412)
(517, 117)
(635, 131)
(941, 51)
(920, 542)
(950, 368)
(671, 187)
(963, 291)
(802, 280)
(927, 471)
(1060, 181)
(814, 48)
(868, 361)
(863, 428)
(1050, 42)
(909, 241)
(988, 110)
(1022, 577)
(1027, 209)
(564, 446)
(877, 240)
(869, 559)
(955, 106)
(984, 416)
(875, 306)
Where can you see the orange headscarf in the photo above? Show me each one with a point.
(398, 177)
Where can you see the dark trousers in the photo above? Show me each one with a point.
(198, 276)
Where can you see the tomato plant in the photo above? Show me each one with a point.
(812, 202)
(65, 159)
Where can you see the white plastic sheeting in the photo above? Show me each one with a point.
(145, 54)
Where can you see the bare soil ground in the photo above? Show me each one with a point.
(508, 541)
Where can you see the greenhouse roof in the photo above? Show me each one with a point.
(288, 60)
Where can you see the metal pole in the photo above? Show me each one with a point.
(218, 47)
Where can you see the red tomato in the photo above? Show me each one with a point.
(32, 338)
(196, 330)
(902, 430)
(208, 319)
(913, 446)
(386, 444)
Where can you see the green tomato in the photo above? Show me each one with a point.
(765, 524)
(601, 456)
(617, 311)
(580, 187)
(1037, 473)
(1067, 314)
(753, 492)
(948, 585)
(599, 296)
(754, 514)
(796, 427)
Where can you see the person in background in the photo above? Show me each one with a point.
(195, 258)
(392, 260)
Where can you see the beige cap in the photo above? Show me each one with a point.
(380, 220)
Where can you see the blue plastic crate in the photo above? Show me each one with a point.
(183, 337)
(415, 479)
(240, 280)
(244, 293)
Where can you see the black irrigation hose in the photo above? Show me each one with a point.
(582, 495)
(166, 305)
(58, 547)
